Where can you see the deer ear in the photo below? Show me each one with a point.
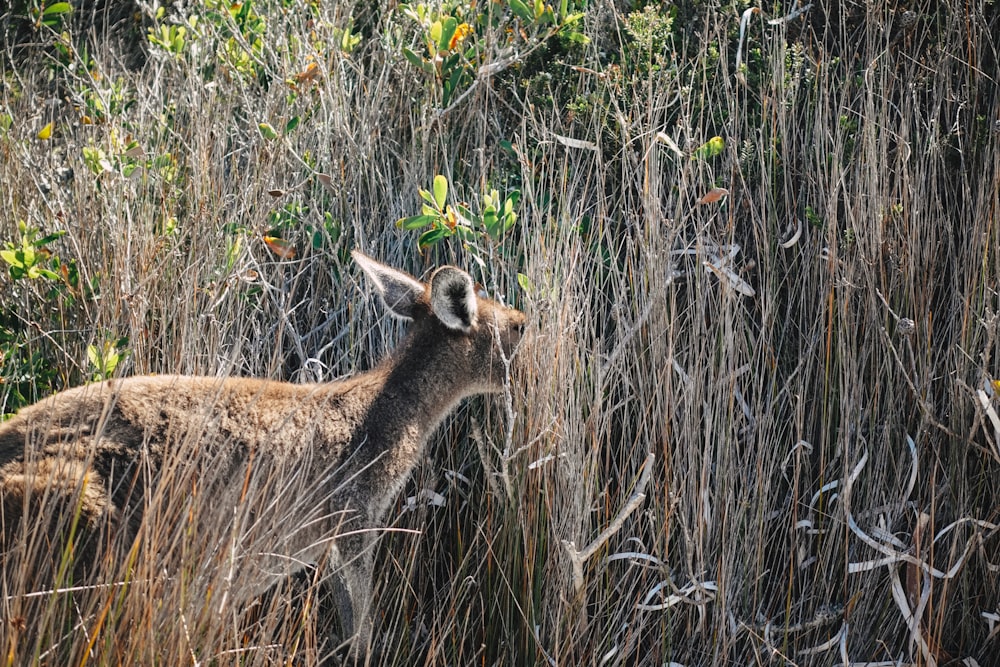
(453, 298)
(399, 291)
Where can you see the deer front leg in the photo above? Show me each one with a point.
(352, 570)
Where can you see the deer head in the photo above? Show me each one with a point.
(474, 336)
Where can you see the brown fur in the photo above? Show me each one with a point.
(350, 444)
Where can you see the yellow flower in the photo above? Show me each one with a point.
(461, 32)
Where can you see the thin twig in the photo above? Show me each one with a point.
(579, 557)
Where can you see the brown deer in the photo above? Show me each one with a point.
(343, 450)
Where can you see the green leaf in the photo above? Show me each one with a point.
(452, 64)
(292, 123)
(448, 27)
(490, 221)
(177, 44)
(456, 78)
(440, 190)
(418, 61)
(45, 240)
(521, 10)
(512, 199)
(93, 356)
(432, 237)
(525, 283)
(427, 197)
(416, 221)
(466, 234)
(267, 131)
(508, 221)
(57, 8)
(709, 149)
(10, 256)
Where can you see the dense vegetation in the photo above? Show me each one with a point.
(756, 419)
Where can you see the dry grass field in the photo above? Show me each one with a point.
(754, 420)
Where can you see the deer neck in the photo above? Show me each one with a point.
(413, 393)
(421, 387)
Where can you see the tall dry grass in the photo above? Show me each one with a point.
(742, 432)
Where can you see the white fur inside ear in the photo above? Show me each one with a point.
(453, 298)
(399, 291)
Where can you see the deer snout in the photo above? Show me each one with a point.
(513, 332)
